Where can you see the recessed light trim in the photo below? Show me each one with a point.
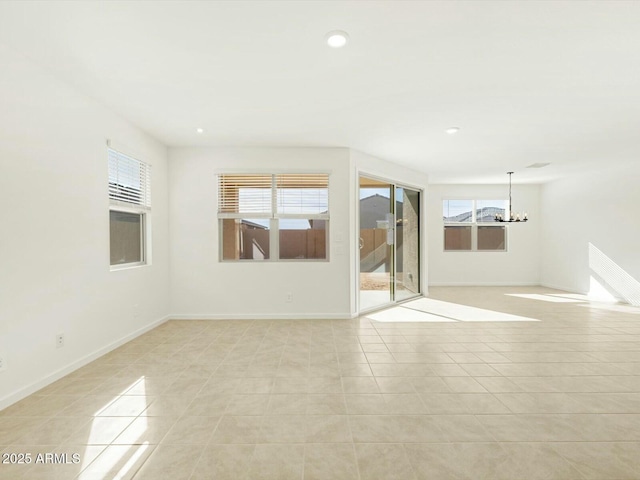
(337, 38)
(452, 130)
(199, 130)
(539, 165)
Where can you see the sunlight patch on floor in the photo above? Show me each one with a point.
(544, 298)
(464, 313)
(122, 407)
(612, 307)
(598, 298)
(401, 314)
(124, 472)
(429, 310)
(574, 296)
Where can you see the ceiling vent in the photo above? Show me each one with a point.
(538, 165)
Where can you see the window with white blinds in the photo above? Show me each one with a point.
(242, 194)
(302, 194)
(129, 211)
(129, 180)
(273, 216)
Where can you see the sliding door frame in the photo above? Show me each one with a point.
(421, 244)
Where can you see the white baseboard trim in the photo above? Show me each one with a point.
(23, 392)
(260, 316)
(484, 284)
(263, 316)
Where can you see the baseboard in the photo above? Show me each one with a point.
(484, 284)
(18, 395)
(260, 316)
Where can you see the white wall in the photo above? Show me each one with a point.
(518, 266)
(54, 230)
(600, 208)
(204, 287)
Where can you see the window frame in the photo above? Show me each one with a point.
(474, 224)
(142, 208)
(143, 238)
(274, 217)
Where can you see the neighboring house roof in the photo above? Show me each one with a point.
(482, 215)
(257, 226)
(375, 208)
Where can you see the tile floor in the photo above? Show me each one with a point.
(556, 398)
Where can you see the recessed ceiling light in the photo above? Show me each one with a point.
(452, 130)
(337, 39)
(538, 165)
(199, 130)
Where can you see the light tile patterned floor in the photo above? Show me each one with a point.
(557, 398)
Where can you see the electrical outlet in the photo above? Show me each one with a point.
(289, 297)
(3, 363)
(60, 340)
(136, 311)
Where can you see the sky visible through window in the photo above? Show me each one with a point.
(461, 210)
(371, 192)
(453, 208)
(366, 192)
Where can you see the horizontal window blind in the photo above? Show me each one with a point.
(245, 194)
(298, 194)
(129, 180)
(279, 195)
(273, 216)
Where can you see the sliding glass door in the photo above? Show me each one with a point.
(376, 239)
(407, 243)
(389, 243)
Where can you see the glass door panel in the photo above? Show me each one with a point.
(376, 243)
(407, 245)
(389, 243)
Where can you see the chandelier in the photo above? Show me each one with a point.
(511, 217)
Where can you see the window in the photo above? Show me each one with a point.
(470, 225)
(126, 237)
(457, 238)
(491, 238)
(457, 211)
(273, 216)
(130, 203)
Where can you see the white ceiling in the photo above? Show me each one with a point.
(526, 81)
